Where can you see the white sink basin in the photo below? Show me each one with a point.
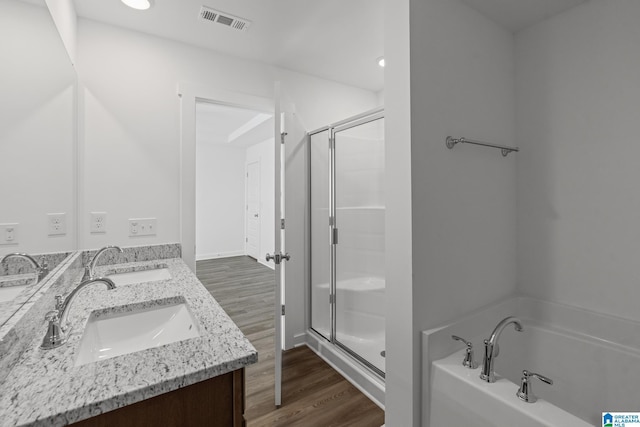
(12, 286)
(131, 277)
(9, 293)
(109, 336)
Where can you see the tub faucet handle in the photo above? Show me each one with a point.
(525, 392)
(468, 360)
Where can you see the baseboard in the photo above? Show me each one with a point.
(266, 264)
(299, 339)
(200, 257)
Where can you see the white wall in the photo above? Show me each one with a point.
(37, 129)
(64, 16)
(320, 102)
(578, 174)
(264, 152)
(130, 124)
(380, 96)
(402, 403)
(130, 119)
(463, 200)
(220, 200)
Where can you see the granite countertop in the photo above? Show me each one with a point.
(45, 388)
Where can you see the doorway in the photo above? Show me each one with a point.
(234, 182)
(234, 222)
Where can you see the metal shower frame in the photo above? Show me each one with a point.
(351, 122)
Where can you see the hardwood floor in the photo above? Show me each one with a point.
(313, 394)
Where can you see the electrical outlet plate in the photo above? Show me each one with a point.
(9, 234)
(57, 224)
(98, 222)
(142, 227)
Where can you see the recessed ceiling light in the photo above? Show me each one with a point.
(138, 4)
(380, 61)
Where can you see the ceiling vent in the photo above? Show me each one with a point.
(222, 18)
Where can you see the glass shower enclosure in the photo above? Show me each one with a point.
(347, 166)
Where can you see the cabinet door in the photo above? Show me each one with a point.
(218, 401)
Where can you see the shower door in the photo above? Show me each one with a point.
(359, 250)
(347, 237)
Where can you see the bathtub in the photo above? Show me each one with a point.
(461, 398)
(593, 359)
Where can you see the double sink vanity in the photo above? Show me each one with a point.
(141, 343)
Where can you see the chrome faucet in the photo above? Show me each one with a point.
(491, 348)
(56, 331)
(41, 270)
(89, 270)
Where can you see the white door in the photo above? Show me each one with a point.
(290, 211)
(253, 210)
(278, 249)
(296, 160)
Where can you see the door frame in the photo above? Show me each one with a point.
(246, 211)
(189, 94)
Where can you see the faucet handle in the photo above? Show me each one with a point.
(538, 376)
(468, 360)
(59, 302)
(525, 393)
(467, 343)
(42, 269)
(52, 316)
(55, 336)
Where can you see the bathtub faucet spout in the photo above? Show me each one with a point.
(491, 348)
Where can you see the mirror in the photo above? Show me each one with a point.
(37, 139)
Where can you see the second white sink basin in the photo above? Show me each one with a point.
(112, 335)
(9, 293)
(11, 287)
(131, 277)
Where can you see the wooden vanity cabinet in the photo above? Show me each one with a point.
(216, 402)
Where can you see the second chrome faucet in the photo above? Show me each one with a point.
(491, 348)
(89, 269)
(41, 270)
